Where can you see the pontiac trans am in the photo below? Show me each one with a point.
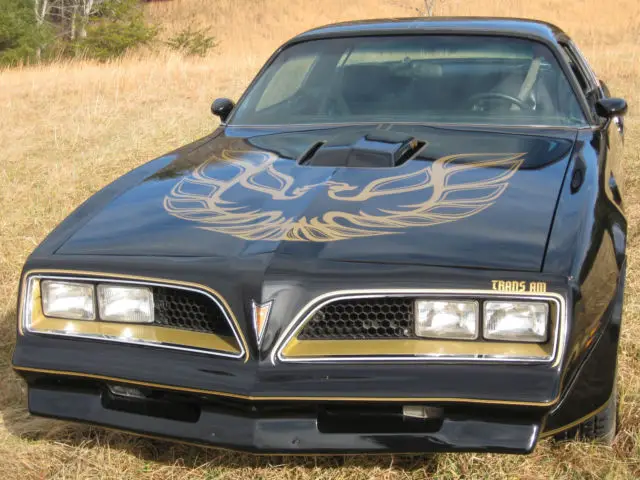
(407, 236)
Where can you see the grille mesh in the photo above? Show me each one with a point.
(361, 318)
(188, 310)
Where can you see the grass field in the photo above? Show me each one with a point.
(67, 129)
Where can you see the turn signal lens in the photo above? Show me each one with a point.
(119, 303)
(71, 300)
(516, 321)
(446, 319)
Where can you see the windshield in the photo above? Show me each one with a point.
(424, 79)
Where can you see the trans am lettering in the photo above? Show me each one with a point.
(450, 188)
(518, 286)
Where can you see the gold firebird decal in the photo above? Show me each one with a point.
(447, 187)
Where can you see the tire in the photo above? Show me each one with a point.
(601, 428)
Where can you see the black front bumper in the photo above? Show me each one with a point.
(319, 425)
(287, 428)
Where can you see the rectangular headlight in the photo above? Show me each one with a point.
(71, 300)
(516, 321)
(119, 303)
(446, 319)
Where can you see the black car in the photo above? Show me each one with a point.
(407, 236)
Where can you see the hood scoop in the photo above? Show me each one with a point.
(378, 149)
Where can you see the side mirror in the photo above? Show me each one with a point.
(221, 107)
(611, 107)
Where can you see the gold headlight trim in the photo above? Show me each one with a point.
(293, 349)
(301, 349)
(32, 319)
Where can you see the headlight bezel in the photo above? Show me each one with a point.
(153, 335)
(291, 349)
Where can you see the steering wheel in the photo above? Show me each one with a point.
(480, 97)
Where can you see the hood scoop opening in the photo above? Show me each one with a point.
(378, 149)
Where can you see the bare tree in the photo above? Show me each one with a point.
(73, 21)
(72, 15)
(86, 10)
(41, 10)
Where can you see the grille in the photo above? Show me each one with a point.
(188, 310)
(362, 318)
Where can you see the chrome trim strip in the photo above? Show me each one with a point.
(24, 321)
(585, 126)
(313, 306)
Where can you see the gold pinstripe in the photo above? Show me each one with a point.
(269, 398)
(548, 433)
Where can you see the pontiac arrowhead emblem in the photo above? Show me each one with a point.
(260, 318)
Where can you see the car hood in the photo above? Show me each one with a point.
(480, 198)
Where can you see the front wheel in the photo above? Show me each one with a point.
(600, 428)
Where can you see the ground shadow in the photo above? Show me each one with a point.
(19, 423)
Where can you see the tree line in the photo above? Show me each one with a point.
(33, 31)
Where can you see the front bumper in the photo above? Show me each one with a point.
(271, 424)
(289, 427)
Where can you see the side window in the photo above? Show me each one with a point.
(583, 80)
(585, 64)
(587, 80)
(287, 81)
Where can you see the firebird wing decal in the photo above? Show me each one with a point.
(455, 187)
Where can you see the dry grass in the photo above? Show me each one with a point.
(68, 129)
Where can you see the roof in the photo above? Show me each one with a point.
(517, 27)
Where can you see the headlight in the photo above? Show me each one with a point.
(125, 304)
(74, 301)
(516, 321)
(446, 319)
